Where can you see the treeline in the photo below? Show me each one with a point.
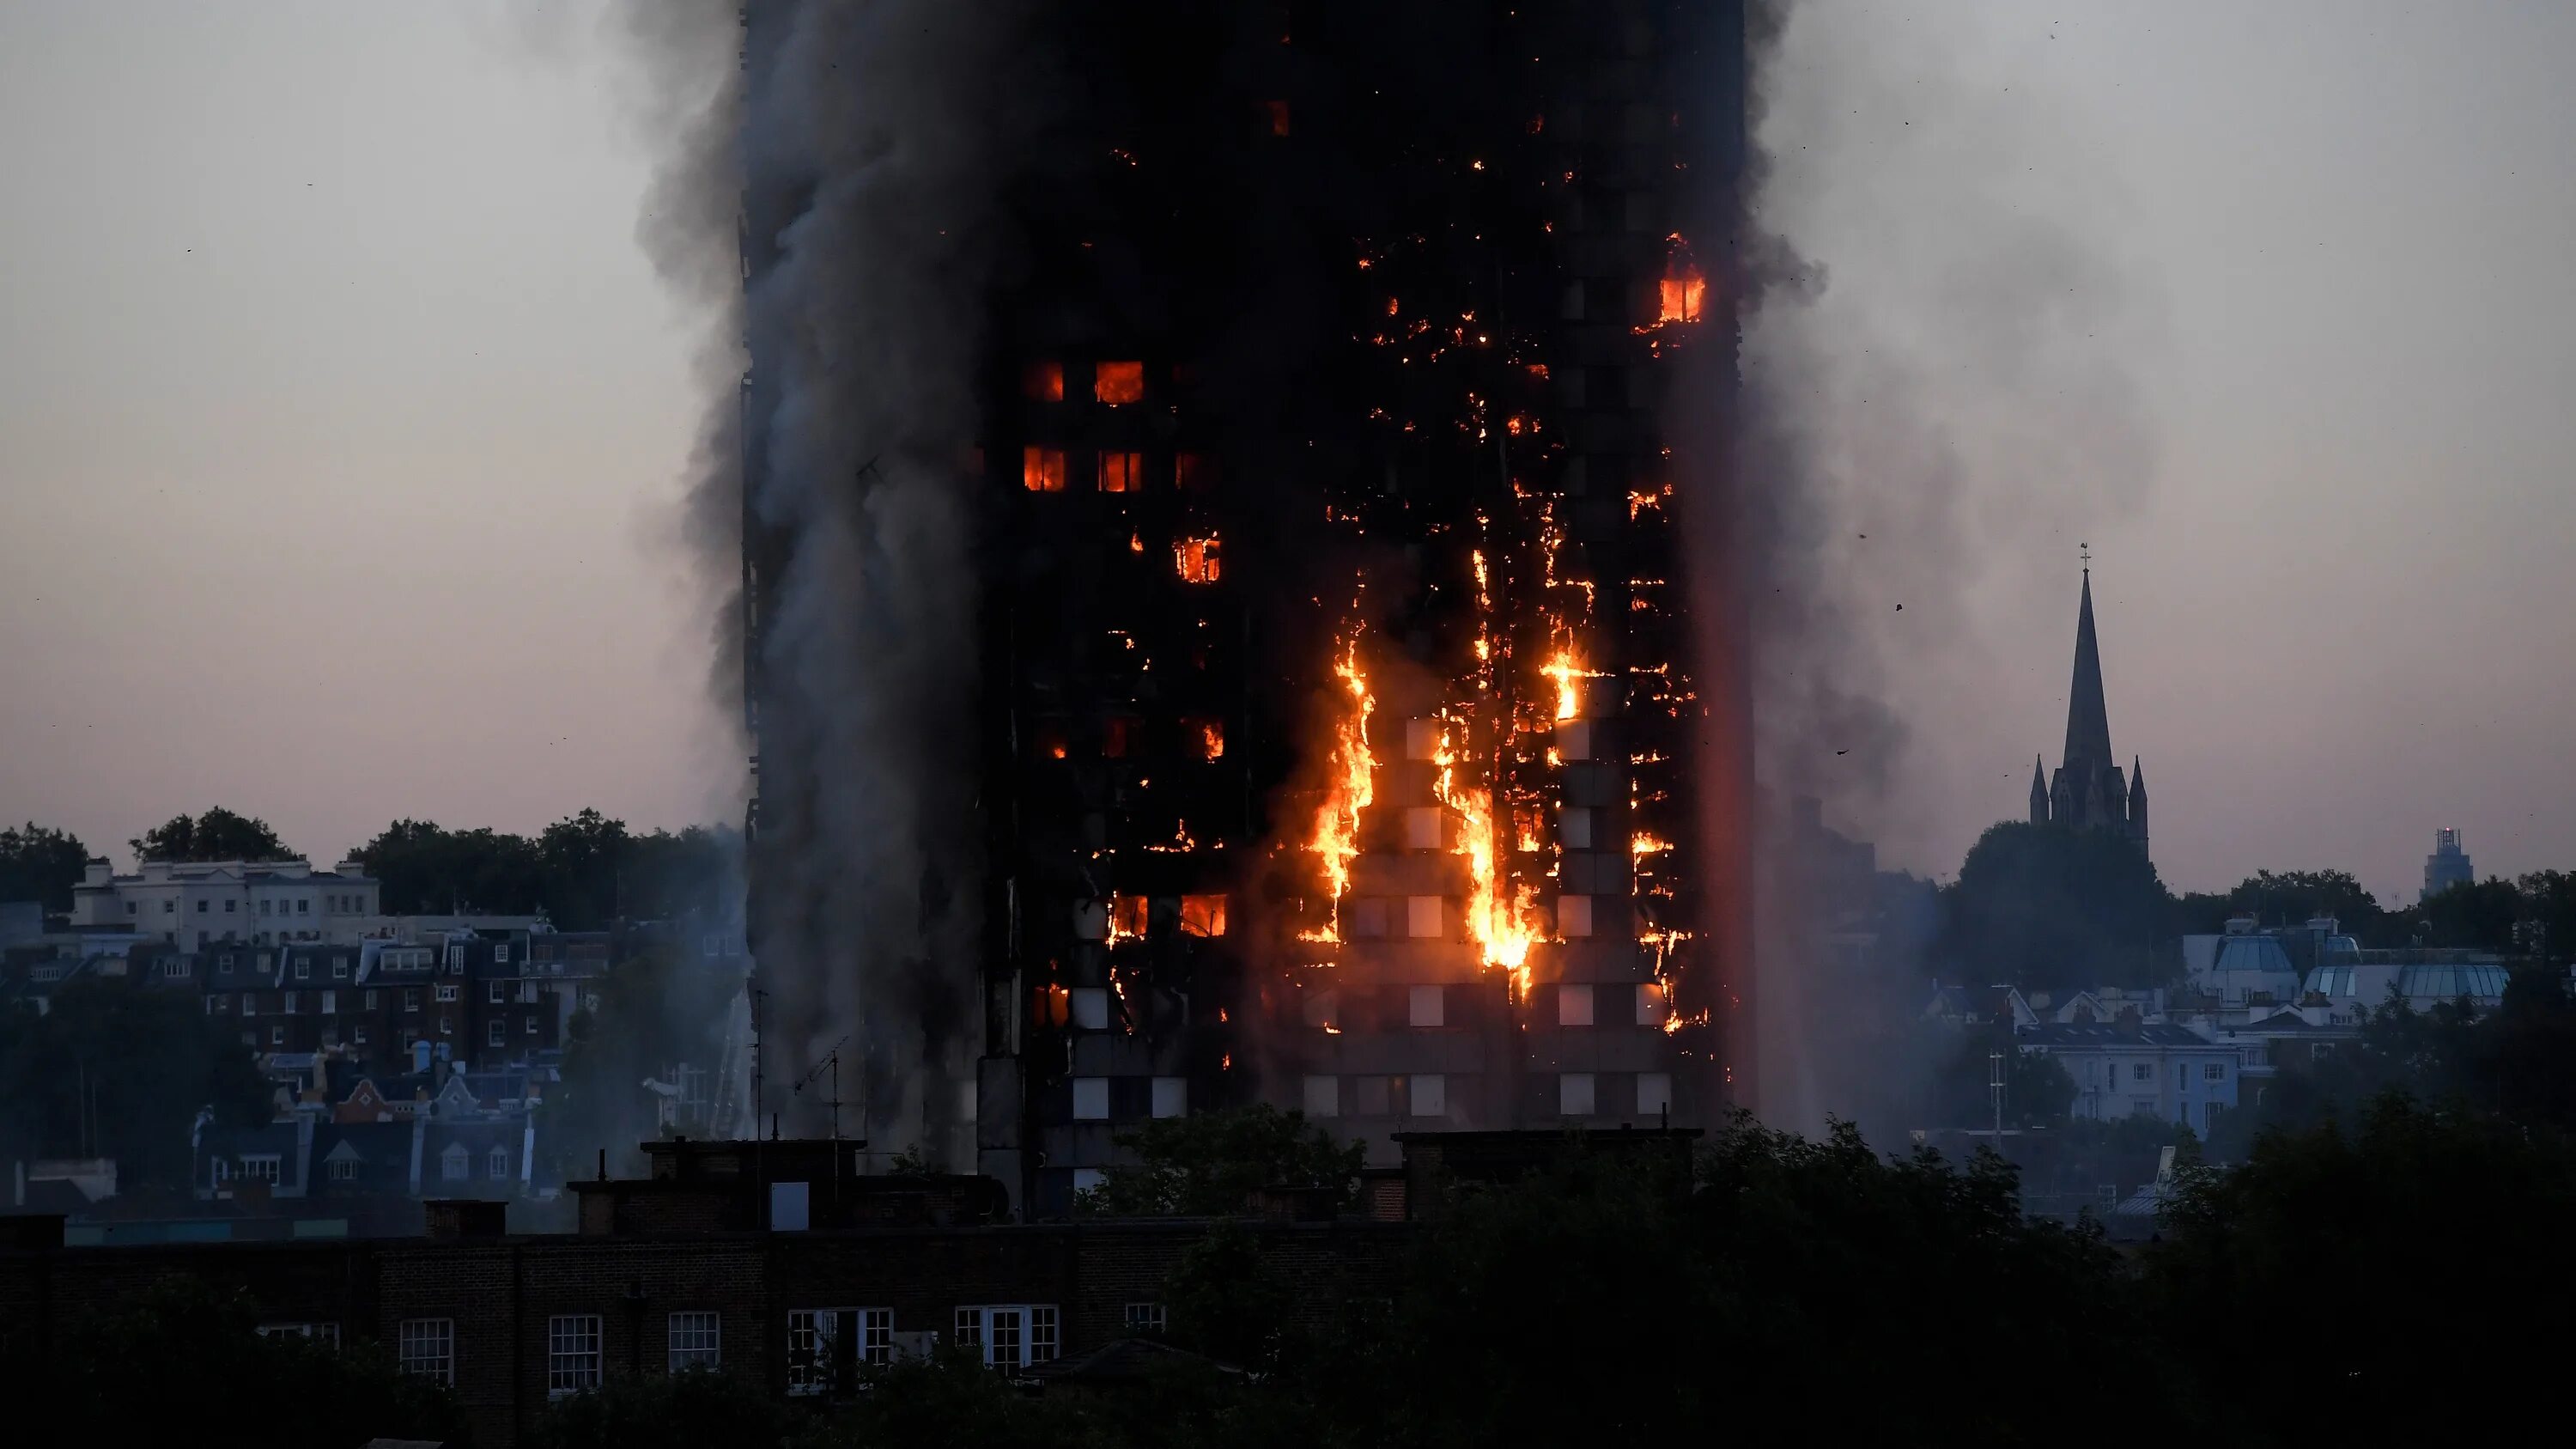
(2382, 1283)
(582, 872)
(2049, 907)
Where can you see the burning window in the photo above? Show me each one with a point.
(1685, 291)
(1127, 917)
(1045, 382)
(1203, 915)
(1050, 1005)
(1050, 740)
(1122, 472)
(1207, 734)
(1117, 383)
(1196, 558)
(1118, 735)
(1275, 115)
(1192, 472)
(1042, 470)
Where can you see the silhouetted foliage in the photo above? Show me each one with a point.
(2386, 1266)
(2050, 906)
(582, 873)
(218, 834)
(662, 1007)
(38, 864)
(2037, 1089)
(686, 1410)
(181, 1362)
(146, 1060)
(1207, 1163)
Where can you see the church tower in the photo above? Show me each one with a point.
(2088, 791)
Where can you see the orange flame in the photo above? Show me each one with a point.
(1196, 559)
(1349, 790)
(1503, 929)
(1565, 669)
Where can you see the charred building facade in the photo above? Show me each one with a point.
(1337, 732)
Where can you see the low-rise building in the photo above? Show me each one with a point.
(2159, 1069)
(190, 903)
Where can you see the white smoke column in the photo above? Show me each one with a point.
(1938, 402)
(867, 159)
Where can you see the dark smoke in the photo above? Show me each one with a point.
(861, 144)
(1938, 399)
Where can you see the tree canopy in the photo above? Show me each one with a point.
(218, 834)
(2052, 906)
(1207, 1164)
(146, 1060)
(582, 872)
(40, 864)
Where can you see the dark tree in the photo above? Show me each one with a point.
(119, 1069)
(2473, 916)
(38, 864)
(665, 1006)
(2037, 1090)
(218, 834)
(2049, 906)
(427, 870)
(2549, 903)
(2381, 1261)
(1207, 1163)
(583, 858)
(686, 1410)
(2290, 897)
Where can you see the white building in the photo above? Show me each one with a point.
(196, 903)
(2162, 1070)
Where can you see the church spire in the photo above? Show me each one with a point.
(2038, 791)
(2088, 719)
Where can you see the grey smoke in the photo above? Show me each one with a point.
(1942, 356)
(864, 143)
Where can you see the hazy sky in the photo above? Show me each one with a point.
(340, 419)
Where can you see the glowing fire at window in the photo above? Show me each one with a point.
(1045, 382)
(1196, 558)
(1685, 291)
(1118, 736)
(1042, 470)
(1119, 383)
(1349, 787)
(1565, 669)
(1127, 916)
(1122, 472)
(1051, 1006)
(1208, 735)
(1203, 915)
(1275, 113)
(1504, 928)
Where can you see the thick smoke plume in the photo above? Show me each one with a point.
(859, 144)
(1939, 399)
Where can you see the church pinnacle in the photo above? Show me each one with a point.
(2087, 790)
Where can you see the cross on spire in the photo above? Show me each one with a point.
(2084, 551)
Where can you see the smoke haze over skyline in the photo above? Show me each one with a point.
(343, 423)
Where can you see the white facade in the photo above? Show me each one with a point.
(197, 903)
(2164, 1071)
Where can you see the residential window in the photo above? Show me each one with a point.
(224, 964)
(344, 1169)
(290, 1003)
(2215, 1071)
(201, 907)
(228, 907)
(169, 907)
(452, 1163)
(2141, 1072)
(411, 998)
(1122, 472)
(330, 1003)
(447, 991)
(427, 1347)
(303, 968)
(263, 908)
(175, 966)
(340, 968)
(696, 1341)
(494, 992)
(325, 1333)
(358, 1035)
(371, 1000)
(532, 1024)
(277, 1036)
(260, 1167)
(250, 1003)
(501, 954)
(1010, 1336)
(1574, 1094)
(304, 906)
(1427, 1095)
(214, 1004)
(1428, 1007)
(498, 1164)
(572, 1354)
(1116, 383)
(821, 1340)
(446, 1025)
(1573, 1005)
(1042, 470)
(1145, 1317)
(219, 1171)
(1091, 1099)
(1322, 1097)
(494, 1035)
(1171, 1096)
(132, 906)
(1654, 1093)
(1422, 916)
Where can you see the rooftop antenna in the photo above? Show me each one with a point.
(831, 1063)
